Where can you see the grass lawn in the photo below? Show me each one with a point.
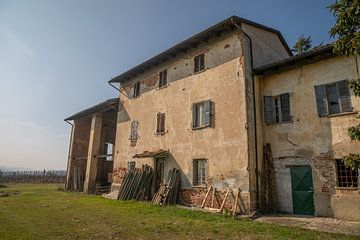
(40, 211)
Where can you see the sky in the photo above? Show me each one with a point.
(57, 56)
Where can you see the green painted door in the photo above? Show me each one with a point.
(302, 190)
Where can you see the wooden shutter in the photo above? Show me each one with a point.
(268, 109)
(207, 113)
(158, 122)
(321, 101)
(194, 118)
(162, 123)
(285, 107)
(344, 96)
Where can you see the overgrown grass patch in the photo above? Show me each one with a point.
(42, 212)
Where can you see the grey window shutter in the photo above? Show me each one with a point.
(344, 96)
(158, 122)
(207, 113)
(321, 101)
(268, 109)
(134, 129)
(194, 116)
(285, 107)
(162, 124)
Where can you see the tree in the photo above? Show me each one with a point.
(302, 45)
(347, 31)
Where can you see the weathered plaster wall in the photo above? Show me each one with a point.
(312, 139)
(224, 146)
(267, 46)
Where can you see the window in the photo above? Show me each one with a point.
(346, 177)
(199, 63)
(134, 130)
(109, 151)
(277, 109)
(333, 98)
(160, 123)
(200, 172)
(136, 90)
(131, 165)
(163, 79)
(203, 114)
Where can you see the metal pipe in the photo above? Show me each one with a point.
(254, 103)
(68, 163)
(112, 85)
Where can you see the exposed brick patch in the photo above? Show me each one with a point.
(324, 164)
(118, 175)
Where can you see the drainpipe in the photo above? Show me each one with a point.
(254, 103)
(67, 167)
(112, 85)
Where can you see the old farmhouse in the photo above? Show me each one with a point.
(231, 108)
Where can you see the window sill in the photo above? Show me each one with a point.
(162, 87)
(199, 128)
(340, 114)
(198, 72)
(279, 123)
(347, 188)
(160, 133)
(199, 187)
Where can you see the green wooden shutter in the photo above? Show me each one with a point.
(285, 107)
(344, 96)
(207, 113)
(321, 101)
(268, 109)
(194, 116)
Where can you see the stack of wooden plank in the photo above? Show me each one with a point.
(136, 184)
(168, 191)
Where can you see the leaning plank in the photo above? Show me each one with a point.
(223, 203)
(206, 196)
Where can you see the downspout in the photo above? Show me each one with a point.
(67, 167)
(118, 89)
(254, 103)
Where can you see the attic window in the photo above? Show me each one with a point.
(199, 63)
(136, 92)
(163, 78)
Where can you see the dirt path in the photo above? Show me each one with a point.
(316, 223)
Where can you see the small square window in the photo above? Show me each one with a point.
(277, 108)
(163, 79)
(200, 172)
(136, 92)
(131, 165)
(346, 177)
(199, 63)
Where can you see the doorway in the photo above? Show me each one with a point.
(302, 190)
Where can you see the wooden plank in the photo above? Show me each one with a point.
(206, 196)
(223, 203)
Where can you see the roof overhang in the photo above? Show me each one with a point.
(226, 25)
(109, 104)
(152, 154)
(312, 56)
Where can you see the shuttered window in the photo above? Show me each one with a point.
(200, 172)
(160, 123)
(199, 63)
(203, 114)
(136, 92)
(333, 98)
(277, 109)
(131, 165)
(134, 130)
(163, 78)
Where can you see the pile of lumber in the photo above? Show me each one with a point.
(168, 191)
(136, 184)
